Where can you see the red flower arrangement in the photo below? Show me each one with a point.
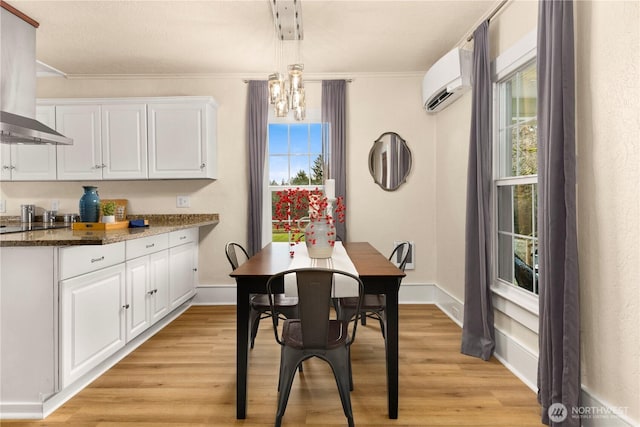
(294, 205)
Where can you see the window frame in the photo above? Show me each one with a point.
(504, 66)
(312, 117)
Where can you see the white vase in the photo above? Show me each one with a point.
(107, 219)
(320, 237)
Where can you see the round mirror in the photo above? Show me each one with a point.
(389, 161)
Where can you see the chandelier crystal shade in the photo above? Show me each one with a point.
(287, 94)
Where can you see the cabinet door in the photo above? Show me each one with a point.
(178, 140)
(137, 300)
(92, 325)
(83, 159)
(5, 162)
(159, 285)
(31, 162)
(182, 273)
(124, 141)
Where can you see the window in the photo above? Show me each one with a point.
(296, 159)
(515, 178)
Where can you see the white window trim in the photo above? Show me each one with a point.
(311, 116)
(504, 65)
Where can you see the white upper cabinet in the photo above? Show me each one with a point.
(124, 141)
(83, 159)
(182, 139)
(135, 138)
(30, 162)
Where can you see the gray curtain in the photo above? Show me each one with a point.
(334, 113)
(478, 335)
(559, 332)
(257, 120)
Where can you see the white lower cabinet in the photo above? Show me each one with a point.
(147, 283)
(81, 308)
(159, 284)
(138, 272)
(183, 266)
(92, 324)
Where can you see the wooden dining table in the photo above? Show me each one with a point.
(379, 276)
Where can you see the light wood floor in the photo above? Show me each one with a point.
(185, 376)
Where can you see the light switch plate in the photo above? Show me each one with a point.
(3, 206)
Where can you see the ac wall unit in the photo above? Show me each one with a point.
(447, 80)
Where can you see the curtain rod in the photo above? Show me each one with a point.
(307, 80)
(491, 15)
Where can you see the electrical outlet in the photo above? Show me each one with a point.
(411, 258)
(55, 205)
(182, 202)
(3, 206)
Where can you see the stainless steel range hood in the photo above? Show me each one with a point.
(18, 83)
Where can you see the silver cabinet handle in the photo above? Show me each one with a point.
(97, 259)
(126, 306)
(202, 166)
(150, 246)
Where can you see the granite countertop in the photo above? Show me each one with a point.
(158, 224)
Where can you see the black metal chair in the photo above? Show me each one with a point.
(260, 307)
(315, 334)
(373, 305)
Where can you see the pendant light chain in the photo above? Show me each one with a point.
(287, 95)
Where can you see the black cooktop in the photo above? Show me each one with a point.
(20, 228)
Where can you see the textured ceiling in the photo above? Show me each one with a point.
(237, 37)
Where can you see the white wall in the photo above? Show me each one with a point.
(608, 136)
(608, 125)
(378, 105)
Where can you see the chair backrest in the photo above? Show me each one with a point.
(231, 249)
(314, 287)
(401, 254)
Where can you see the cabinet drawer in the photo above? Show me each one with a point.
(181, 237)
(146, 245)
(77, 260)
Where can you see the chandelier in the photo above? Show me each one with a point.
(287, 94)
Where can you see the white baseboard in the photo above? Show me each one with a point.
(215, 295)
(598, 413)
(20, 411)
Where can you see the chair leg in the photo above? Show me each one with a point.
(288, 362)
(339, 361)
(254, 322)
(350, 372)
(382, 322)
